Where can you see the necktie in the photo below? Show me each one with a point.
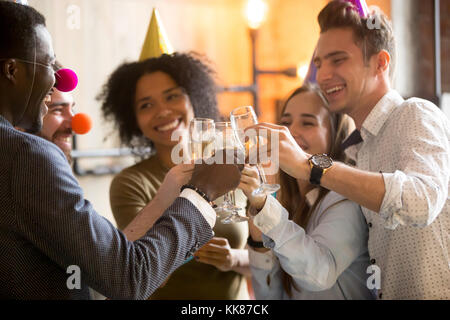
(353, 138)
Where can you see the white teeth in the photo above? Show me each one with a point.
(337, 88)
(64, 139)
(169, 126)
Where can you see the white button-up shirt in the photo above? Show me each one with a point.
(409, 142)
(327, 261)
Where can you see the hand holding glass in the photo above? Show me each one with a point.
(242, 118)
(226, 140)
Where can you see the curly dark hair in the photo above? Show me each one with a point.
(186, 69)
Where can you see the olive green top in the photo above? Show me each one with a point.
(132, 189)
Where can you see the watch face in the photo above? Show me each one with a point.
(322, 161)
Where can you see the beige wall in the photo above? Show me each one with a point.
(112, 31)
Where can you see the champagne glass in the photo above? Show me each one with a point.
(242, 118)
(201, 134)
(226, 140)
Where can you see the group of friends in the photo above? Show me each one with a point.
(364, 178)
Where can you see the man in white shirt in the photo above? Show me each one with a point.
(402, 154)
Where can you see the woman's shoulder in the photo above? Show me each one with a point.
(143, 171)
(336, 208)
(142, 168)
(337, 202)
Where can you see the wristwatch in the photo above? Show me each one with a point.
(254, 244)
(319, 163)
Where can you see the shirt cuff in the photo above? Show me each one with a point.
(241, 256)
(270, 215)
(201, 204)
(260, 260)
(392, 200)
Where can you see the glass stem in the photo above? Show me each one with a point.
(261, 174)
(226, 198)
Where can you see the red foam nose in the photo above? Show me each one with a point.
(81, 123)
(66, 80)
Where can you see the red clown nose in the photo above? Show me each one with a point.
(66, 80)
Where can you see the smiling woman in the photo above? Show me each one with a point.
(149, 101)
(321, 237)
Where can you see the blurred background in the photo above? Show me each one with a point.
(93, 37)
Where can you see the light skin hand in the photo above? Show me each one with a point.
(250, 181)
(174, 180)
(292, 159)
(217, 252)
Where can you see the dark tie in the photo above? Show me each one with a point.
(352, 139)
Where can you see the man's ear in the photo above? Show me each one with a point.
(383, 61)
(9, 70)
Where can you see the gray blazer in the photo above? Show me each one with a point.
(46, 226)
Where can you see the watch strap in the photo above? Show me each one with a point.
(316, 175)
(254, 244)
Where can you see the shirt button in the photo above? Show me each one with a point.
(370, 224)
(372, 261)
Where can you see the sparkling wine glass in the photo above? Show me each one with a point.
(201, 135)
(226, 140)
(242, 118)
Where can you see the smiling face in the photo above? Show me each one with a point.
(162, 108)
(309, 122)
(37, 83)
(57, 123)
(346, 80)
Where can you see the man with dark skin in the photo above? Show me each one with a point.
(46, 226)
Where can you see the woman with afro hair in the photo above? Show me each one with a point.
(149, 101)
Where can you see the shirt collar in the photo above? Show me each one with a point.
(312, 196)
(380, 113)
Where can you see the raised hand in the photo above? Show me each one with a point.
(175, 179)
(217, 179)
(250, 181)
(217, 252)
(292, 159)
